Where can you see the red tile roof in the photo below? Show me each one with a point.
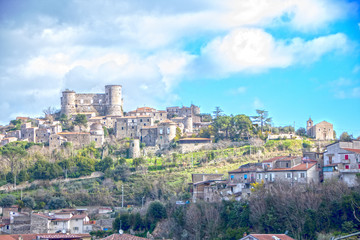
(299, 167)
(123, 237)
(273, 159)
(352, 150)
(270, 236)
(44, 236)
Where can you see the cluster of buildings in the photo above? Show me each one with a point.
(70, 221)
(155, 128)
(341, 161)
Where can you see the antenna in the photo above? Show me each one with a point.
(120, 230)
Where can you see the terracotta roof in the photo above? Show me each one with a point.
(352, 150)
(239, 170)
(299, 167)
(44, 236)
(80, 216)
(332, 165)
(123, 237)
(273, 159)
(270, 236)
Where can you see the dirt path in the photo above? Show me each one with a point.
(10, 187)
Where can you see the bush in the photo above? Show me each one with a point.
(156, 212)
(7, 201)
(29, 202)
(57, 203)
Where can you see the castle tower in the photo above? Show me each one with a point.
(68, 103)
(188, 124)
(134, 150)
(195, 113)
(309, 126)
(113, 98)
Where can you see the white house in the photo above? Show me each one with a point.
(342, 160)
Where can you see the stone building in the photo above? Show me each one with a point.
(192, 111)
(157, 115)
(321, 131)
(130, 126)
(342, 161)
(78, 139)
(108, 103)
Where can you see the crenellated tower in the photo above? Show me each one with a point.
(114, 101)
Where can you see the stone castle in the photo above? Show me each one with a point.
(109, 103)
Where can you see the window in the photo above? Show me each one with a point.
(232, 176)
(245, 176)
(346, 157)
(302, 175)
(259, 176)
(122, 128)
(55, 223)
(76, 228)
(287, 165)
(140, 120)
(81, 101)
(346, 166)
(160, 131)
(168, 131)
(288, 175)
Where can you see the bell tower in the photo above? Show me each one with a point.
(309, 126)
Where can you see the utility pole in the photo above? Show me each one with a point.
(122, 196)
(142, 202)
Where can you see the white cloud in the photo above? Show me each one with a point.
(47, 47)
(253, 49)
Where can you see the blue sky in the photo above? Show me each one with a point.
(295, 58)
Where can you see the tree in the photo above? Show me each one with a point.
(156, 212)
(262, 118)
(217, 112)
(104, 164)
(241, 127)
(7, 201)
(29, 202)
(14, 154)
(80, 120)
(49, 113)
(301, 132)
(345, 137)
(222, 124)
(57, 203)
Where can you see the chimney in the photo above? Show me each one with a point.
(307, 165)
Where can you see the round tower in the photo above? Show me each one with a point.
(134, 150)
(188, 124)
(68, 103)
(113, 98)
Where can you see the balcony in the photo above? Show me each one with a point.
(353, 170)
(345, 161)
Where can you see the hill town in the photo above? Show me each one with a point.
(228, 158)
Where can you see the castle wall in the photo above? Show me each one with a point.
(108, 103)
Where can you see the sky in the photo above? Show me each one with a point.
(294, 58)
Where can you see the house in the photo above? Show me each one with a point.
(205, 185)
(290, 169)
(267, 237)
(46, 236)
(123, 236)
(342, 160)
(60, 222)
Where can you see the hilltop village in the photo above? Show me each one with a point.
(232, 162)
